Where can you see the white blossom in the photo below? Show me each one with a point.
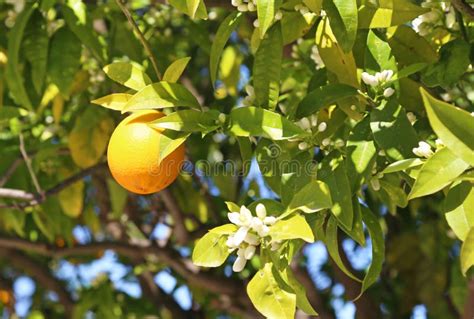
(411, 117)
(369, 79)
(388, 92)
(278, 15)
(303, 146)
(423, 150)
(375, 183)
(326, 141)
(322, 126)
(256, 23)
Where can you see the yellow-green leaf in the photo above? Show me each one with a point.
(467, 252)
(128, 74)
(114, 101)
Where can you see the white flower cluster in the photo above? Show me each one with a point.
(245, 5)
(423, 150)
(441, 14)
(302, 9)
(316, 57)
(379, 80)
(248, 237)
(307, 124)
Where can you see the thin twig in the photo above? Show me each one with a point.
(30, 168)
(144, 42)
(10, 170)
(464, 7)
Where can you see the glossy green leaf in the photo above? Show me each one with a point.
(294, 26)
(266, 10)
(161, 95)
(189, 7)
(253, 121)
(267, 68)
(332, 245)
(402, 165)
(171, 140)
(378, 55)
(313, 197)
(13, 72)
(226, 229)
(438, 172)
(452, 125)
(338, 62)
(189, 121)
(333, 173)
(459, 209)
(270, 295)
(378, 248)
(322, 97)
(35, 49)
(361, 154)
(387, 13)
(78, 20)
(224, 31)
(409, 47)
(302, 301)
(175, 70)
(453, 63)
(467, 252)
(392, 131)
(128, 74)
(294, 227)
(114, 101)
(211, 250)
(343, 17)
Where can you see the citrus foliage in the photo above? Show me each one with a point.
(357, 116)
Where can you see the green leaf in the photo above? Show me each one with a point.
(224, 31)
(402, 165)
(332, 245)
(266, 10)
(171, 140)
(409, 47)
(189, 121)
(35, 49)
(338, 62)
(378, 248)
(267, 68)
(270, 296)
(302, 301)
(175, 70)
(357, 231)
(89, 136)
(378, 55)
(232, 207)
(313, 197)
(114, 101)
(13, 74)
(246, 153)
(333, 173)
(322, 97)
(453, 63)
(128, 74)
(187, 6)
(64, 59)
(459, 209)
(388, 13)
(361, 154)
(467, 252)
(253, 121)
(211, 250)
(294, 227)
(161, 95)
(392, 131)
(226, 229)
(452, 125)
(343, 17)
(294, 26)
(80, 24)
(438, 172)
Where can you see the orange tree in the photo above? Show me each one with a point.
(328, 146)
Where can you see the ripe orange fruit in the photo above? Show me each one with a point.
(134, 155)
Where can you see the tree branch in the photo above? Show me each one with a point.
(34, 199)
(10, 170)
(144, 42)
(464, 7)
(43, 276)
(182, 235)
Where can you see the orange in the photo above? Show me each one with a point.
(134, 155)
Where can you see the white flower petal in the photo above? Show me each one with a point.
(249, 252)
(252, 239)
(245, 214)
(234, 218)
(256, 224)
(388, 92)
(270, 220)
(239, 264)
(261, 210)
(240, 235)
(263, 231)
